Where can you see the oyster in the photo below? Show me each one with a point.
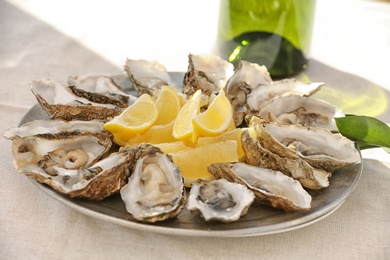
(44, 126)
(270, 187)
(220, 200)
(77, 143)
(155, 189)
(70, 162)
(264, 92)
(102, 87)
(319, 147)
(96, 182)
(296, 109)
(61, 103)
(147, 76)
(69, 156)
(66, 148)
(206, 72)
(40, 139)
(244, 80)
(289, 164)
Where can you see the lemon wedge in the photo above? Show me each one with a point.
(135, 119)
(168, 104)
(183, 129)
(216, 119)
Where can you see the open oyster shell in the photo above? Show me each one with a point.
(147, 76)
(71, 163)
(270, 187)
(70, 157)
(46, 126)
(62, 102)
(264, 92)
(289, 164)
(206, 72)
(220, 200)
(36, 149)
(103, 88)
(244, 80)
(319, 147)
(155, 189)
(100, 180)
(294, 109)
(38, 140)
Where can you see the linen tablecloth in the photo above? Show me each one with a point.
(56, 39)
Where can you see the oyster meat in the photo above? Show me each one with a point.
(155, 189)
(60, 102)
(220, 200)
(147, 76)
(296, 109)
(206, 72)
(270, 187)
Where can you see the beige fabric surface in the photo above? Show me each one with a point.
(35, 226)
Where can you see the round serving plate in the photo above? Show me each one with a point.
(260, 220)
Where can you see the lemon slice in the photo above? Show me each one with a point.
(193, 162)
(216, 119)
(135, 119)
(183, 129)
(168, 105)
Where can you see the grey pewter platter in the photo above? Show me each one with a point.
(260, 220)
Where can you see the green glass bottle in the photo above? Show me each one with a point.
(274, 33)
